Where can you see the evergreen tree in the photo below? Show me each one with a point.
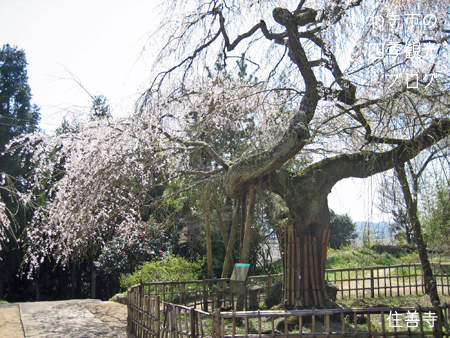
(17, 116)
(100, 107)
(342, 230)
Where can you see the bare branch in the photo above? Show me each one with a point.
(202, 173)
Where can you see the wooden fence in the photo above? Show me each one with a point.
(387, 281)
(369, 282)
(207, 294)
(150, 317)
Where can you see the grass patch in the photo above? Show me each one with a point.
(403, 301)
(363, 257)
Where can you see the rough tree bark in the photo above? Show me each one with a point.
(411, 206)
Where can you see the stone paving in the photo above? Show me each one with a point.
(54, 319)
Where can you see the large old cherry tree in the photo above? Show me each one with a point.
(253, 97)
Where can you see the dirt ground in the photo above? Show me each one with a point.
(112, 314)
(10, 324)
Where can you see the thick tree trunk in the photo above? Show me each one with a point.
(304, 259)
(304, 242)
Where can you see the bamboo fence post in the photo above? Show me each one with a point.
(415, 278)
(234, 325)
(372, 286)
(305, 271)
(216, 324)
(403, 279)
(183, 293)
(448, 284)
(147, 313)
(272, 325)
(316, 271)
(200, 328)
(311, 264)
(325, 236)
(356, 282)
(285, 264)
(287, 253)
(349, 284)
(205, 296)
(300, 325)
(386, 278)
(286, 329)
(292, 262)
(259, 325)
(313, 328)
(438, 323)
(409, 279)
(178, 323)
(298, 279)
(169, 315)
(157, 316)
(419, 310)
(383, 325)
(364, 282)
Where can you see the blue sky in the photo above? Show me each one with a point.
(101, 42)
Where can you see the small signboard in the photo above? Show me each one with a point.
(238, 278)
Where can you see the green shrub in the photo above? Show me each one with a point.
(132, 244)
(172, 268)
